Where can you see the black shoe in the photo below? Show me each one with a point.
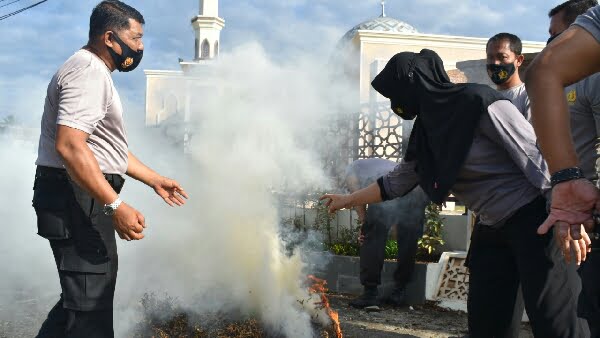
(368, 298)
(397, 297)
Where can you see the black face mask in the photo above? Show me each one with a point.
(500, 73)
(405, 103)
(404, 106)
(129, 59)
(552, 38)
(405, 115)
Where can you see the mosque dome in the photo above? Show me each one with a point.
(381, 24)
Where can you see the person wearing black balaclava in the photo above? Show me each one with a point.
(504, 58)
(83, 155)
(470, 141)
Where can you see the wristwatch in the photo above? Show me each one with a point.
(109, 209)
(566, 175)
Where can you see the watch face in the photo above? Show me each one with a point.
(108, 210)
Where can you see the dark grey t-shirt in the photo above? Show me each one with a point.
(586, 92)
(518, 96)
(583, 99)
(590, 21)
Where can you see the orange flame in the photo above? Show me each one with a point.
(319, 286)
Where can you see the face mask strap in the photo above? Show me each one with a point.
(116, 38)
(122, 44)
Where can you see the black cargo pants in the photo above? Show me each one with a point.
(83, 242)
(501, 258)
(408, 218)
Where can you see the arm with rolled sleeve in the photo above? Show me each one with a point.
(399, 181)
(508, 128)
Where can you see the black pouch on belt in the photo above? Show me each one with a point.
(51, 199)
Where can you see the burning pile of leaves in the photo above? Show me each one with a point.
(319, 286)
(164, 319)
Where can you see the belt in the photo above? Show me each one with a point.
(115, 180)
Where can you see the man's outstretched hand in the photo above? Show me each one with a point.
(335, 202)
(170, 191)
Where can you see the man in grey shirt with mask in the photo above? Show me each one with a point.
(504, 58)
(82, 155)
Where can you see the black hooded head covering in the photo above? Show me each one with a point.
(447, 115)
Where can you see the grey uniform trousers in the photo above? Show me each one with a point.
(589, 298)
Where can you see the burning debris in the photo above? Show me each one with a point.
(165, 319)
(319, 287)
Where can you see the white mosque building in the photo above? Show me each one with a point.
(366, 48)
(369, 45)
(170, 95)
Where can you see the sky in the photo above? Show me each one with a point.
(36, 42)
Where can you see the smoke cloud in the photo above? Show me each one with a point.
(29, 281)
(259, 132)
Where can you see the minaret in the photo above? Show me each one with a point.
(207, 27)
(382, 9)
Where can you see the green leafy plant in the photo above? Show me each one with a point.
(345, 249)
(345, 241)
(391, 249)
(323, 221)
(431, 242)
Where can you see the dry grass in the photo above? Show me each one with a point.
(163, 319)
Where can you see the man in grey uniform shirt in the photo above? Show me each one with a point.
(82, 156)
(583, 100)
(504, 58)
(571, 57)
(583, 97)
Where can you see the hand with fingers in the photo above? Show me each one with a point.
(170, 191)
(573, 204)
(361, 237)
(336, 202)
(128, 223)
(576, 249)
